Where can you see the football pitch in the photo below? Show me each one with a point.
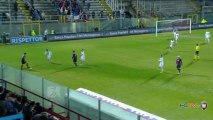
(126, 69)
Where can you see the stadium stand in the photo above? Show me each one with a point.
(38, 10)
(84, 9)
(12, 104)
(7, 11)
(46, 9)
(166, 8)
(93, 9)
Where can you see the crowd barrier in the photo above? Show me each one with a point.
(74, 36)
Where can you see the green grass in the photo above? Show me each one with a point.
(126, 69)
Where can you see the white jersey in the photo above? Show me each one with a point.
(82, 56)
(161, 62)
(48, 54)
(176, 36)
(207, 36)
(45, 32)
(174, 33)
(172, 43)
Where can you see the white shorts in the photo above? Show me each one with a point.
(161, 65)
(82, 58)
(48, 57)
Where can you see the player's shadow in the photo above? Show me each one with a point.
(151, 78)
(203, 44)
(191, 63)
(165, 53)
(34, 70)
(72, 67)
(184, 51)
(36, 65)
(207, 60)
(189, 74)
(65, 69)
(169, 79)
(54, 63)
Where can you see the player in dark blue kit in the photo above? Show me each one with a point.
(23, 61)
(178, 63)
(74, 58)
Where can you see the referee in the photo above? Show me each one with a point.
(197, 49)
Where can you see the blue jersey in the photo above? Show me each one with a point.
(179, 62)
(74, 57)
(23, 59)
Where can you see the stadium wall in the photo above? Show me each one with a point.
(74, 36)
(79, 105)
(81, 30)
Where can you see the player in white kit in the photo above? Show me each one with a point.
(176, 37)
(171, 44)
(48, 53)
(82, 58)
(161, 63)
(207, 36)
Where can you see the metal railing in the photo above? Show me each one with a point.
(25, 91)
(39, 90)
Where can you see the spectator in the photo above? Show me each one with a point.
(16, 6)
(88, 15)
(36, 15)
(43, 15)
(3, 95)
(15, 9)
(24, 100)
(4, 17)
(65, 11)
(114, 14)
(8, 16)
(54, 3)
(88, 5)
(61, 11)
(9, 104)
(121, 13)
(93, 14)
(38, 109)
(83, 1)
(1, 90)
(18, 104)
(96, 29)
(2, 109)
(28, 110)
(84, 16)
(27, 5)
(31, 2)
(21, 34)
(42, 116)
(15, 15)
(67, 4)
(101, 14)
(45, 34)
